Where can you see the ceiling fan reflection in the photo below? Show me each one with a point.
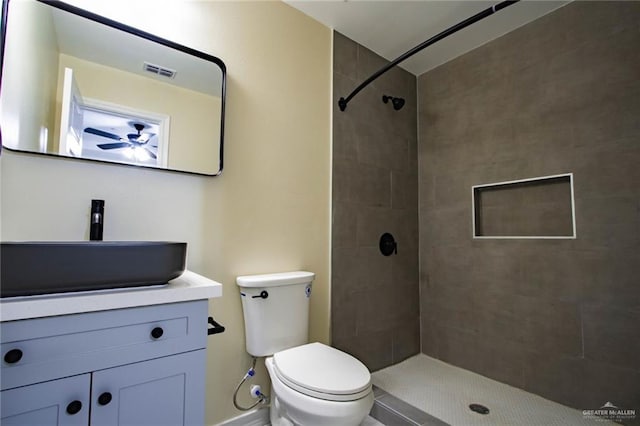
(134, 141)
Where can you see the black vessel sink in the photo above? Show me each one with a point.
(30, 268)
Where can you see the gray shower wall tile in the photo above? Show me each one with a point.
(369, 185)
(553, 273)
(428, 333)
(452, 191)
(381, 148)
(344, 219)
(374, 349)
(601, 226)
(375, 272)
(341, 187)
(558, 339)
(501, 359)
(344, 319)
(345, 139)
(350, 270)
(557, 378)
(405, 267)
(599, 20)
(452, 316)
(612, 335)
(447, 265)
(605, 121)
(372, 223)
(494, 269)
(581, 383)
(345, 56)
(405, 225)
(374, 191)
(406, 340)
(404, 190)
(447, 226)
(406, 308)
(426, 193)
(457, 347)
(607, 172)
(610, 278)
(375, 312)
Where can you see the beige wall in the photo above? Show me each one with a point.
(28, 95)
(192, 114)
(269, 210)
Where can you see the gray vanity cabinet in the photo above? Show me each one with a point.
(47, 403)
(134, 366)
(164, 391)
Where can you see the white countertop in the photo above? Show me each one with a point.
(188, 286)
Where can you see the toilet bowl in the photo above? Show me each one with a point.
(317, 385)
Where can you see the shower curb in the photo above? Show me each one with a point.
(392, 411)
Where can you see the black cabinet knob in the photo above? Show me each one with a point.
(157, 332)
(13, 356)
(74, 407)
(104, 398)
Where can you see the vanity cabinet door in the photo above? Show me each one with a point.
(163, 391)
(58, 402)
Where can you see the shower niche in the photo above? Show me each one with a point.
(540, 207)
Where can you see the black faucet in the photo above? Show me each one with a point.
(97, 220)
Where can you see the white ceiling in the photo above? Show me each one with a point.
(392, 27)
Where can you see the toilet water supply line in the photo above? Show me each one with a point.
(255, 390)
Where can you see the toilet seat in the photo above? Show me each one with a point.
(320, 371)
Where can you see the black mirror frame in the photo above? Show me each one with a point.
(134, 31)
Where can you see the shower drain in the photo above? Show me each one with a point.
(479, 408)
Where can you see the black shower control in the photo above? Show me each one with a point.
(157, 332)
(263, 294)
(74, 407)
(13, 356)
(104, 398)
(388, 244)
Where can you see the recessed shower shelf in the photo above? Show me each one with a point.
(534, 208)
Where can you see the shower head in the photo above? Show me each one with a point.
(397, 103)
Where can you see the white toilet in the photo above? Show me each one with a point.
(311, 384)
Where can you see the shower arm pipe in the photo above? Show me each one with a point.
(342, 103)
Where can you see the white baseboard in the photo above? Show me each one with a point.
(259, 417)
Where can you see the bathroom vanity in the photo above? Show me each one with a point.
(125, 357)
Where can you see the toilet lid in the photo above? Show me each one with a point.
(323, 372)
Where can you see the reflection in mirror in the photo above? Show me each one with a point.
(77, 85)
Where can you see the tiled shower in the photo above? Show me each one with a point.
(557, 317)
(375, 302)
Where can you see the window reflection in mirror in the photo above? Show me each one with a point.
(78, 88)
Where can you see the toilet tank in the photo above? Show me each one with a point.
(276, 310)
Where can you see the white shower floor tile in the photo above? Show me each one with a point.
(445, 392)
